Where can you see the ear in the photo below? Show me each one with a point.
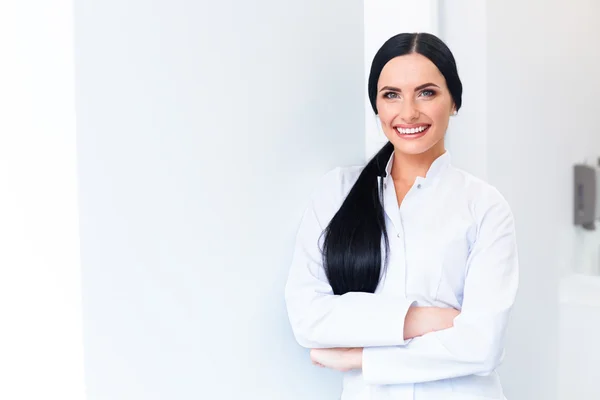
(453, 112)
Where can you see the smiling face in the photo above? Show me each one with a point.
(414, 104)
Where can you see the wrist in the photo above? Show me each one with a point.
(413, 322)
(420, 320)
(357, 359)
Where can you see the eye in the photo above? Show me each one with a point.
(391, 95)
(427, 93)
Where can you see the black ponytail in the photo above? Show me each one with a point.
(352, 254)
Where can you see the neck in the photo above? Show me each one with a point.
(406, 167)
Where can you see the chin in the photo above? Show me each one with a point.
(415, 147)
(412, 148)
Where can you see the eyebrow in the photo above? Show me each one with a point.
(417, 88)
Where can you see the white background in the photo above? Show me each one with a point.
(202, 129)
(41, 349)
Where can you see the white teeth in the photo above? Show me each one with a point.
(411, 131)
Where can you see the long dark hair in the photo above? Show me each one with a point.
(352, 243)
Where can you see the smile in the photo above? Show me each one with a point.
(412, 131)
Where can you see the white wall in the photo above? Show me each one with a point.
(202, 128)
(548, 89)
(463, 26)
(539, 91)
(579, 349)
(193, 116)
(41, 349)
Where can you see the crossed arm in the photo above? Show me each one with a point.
(393, 341)
(418, 321)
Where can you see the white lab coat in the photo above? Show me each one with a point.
(452, 244)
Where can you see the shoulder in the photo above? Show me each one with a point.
(331, 190)
(337, 182)
(481, 197)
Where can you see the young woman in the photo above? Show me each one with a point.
(405, 269)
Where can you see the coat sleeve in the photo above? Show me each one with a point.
(320, 319)
(474, 345)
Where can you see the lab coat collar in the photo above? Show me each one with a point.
(438, 165)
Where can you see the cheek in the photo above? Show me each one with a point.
(439, 114)
(386, 113)
(441, 117)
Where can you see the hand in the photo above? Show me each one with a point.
(339, 359)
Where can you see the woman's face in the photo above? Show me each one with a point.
(414, 104)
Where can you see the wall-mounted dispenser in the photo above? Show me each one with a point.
(586, 195)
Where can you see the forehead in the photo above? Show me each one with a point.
(408, 71)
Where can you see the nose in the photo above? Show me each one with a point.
(408, 112)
